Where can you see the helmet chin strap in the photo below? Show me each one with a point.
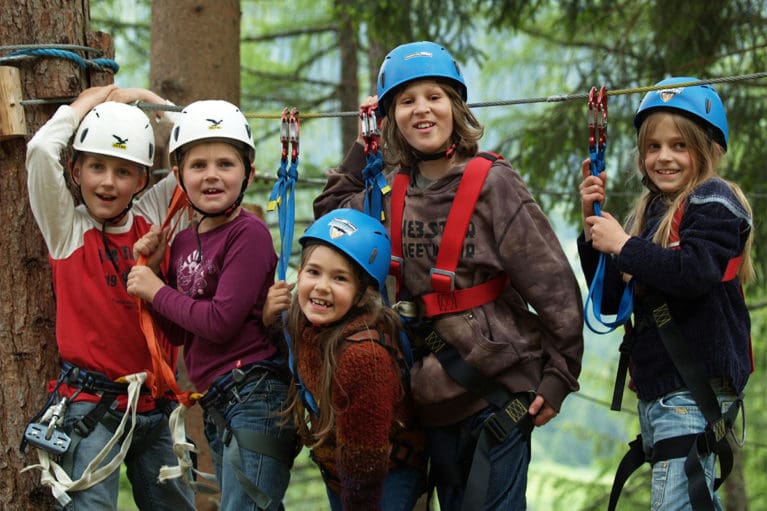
(447, 154)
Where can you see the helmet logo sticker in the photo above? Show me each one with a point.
(340, 227)
(214, 124)
(667, 95)
(419, 54)
(120, 143)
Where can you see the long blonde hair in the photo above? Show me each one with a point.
(706, 156)
(314, 430)
(467, 130)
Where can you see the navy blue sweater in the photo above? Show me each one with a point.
(711, 314)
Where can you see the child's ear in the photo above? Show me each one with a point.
(143, 180)
(251, 175)
(74, 171)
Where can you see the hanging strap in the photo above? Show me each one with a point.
(375, 182)
(445, 298)
(597, 146)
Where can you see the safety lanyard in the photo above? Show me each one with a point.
(597, 145)
(163, 377)
(375, 182)
(282, 197)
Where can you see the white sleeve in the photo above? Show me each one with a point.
(51, 201)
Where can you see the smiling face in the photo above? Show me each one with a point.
(107, 184)
(212, 174)
(327, 285)
(424, 116)
(668, 161)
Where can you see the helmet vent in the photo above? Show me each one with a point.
(83, 134)
(373, 255)
(708, 106)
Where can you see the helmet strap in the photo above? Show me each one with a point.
(447, 154)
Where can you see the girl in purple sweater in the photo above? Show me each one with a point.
(220, 271)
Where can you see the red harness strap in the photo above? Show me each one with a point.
(445, 298)
(729, 273)
(673, 242)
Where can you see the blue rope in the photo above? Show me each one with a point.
(375, 185)
(98, 63)
(282, 198)
(596, 290)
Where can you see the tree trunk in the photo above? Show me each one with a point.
(349, 89)
(28, 354)
(195, 54)
(735, 498)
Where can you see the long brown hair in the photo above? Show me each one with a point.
(467, 130)
(368, 304)
(706, 156)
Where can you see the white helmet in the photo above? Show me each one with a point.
(211, 119)
(119, 130)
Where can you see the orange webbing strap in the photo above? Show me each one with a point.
(163, 378)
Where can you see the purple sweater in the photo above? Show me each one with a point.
(215, 305)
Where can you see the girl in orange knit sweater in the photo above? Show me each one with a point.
(360, 431)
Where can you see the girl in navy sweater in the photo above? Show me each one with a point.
(686, 246)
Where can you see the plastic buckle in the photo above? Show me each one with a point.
(437, 277)
(496, 427)
(37, 435)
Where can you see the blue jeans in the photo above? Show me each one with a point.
(151, 448)
(261, 401)
(402, 488)
(673, 415)
(453, 446)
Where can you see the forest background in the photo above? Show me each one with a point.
(534, 63)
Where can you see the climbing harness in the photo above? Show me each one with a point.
(597, 145)
(52, 443)
(226, 391)
(445, 298)
(282, 199)
(512, 408)
(692, 447)
(375, 182)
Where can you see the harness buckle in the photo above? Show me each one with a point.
(442, 280)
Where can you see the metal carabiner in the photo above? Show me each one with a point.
(294, 128)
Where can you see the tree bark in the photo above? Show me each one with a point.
(348, 89)
(28, 353)
(195, 54)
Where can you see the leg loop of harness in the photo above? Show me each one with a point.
(494, 431)
(281, 448)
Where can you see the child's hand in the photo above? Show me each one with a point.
(131, 95)
(277, 300)
(152, 245)
(370, 101)
(541, 411)
(143, 283)
(592, 189)
(606, 233)
(91, 97)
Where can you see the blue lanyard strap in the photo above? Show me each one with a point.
(375, 182)
(597, 145)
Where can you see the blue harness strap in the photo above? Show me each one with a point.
(597, 145)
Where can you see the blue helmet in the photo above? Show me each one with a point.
(701, 103)
(361, 237)
(413, 61)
